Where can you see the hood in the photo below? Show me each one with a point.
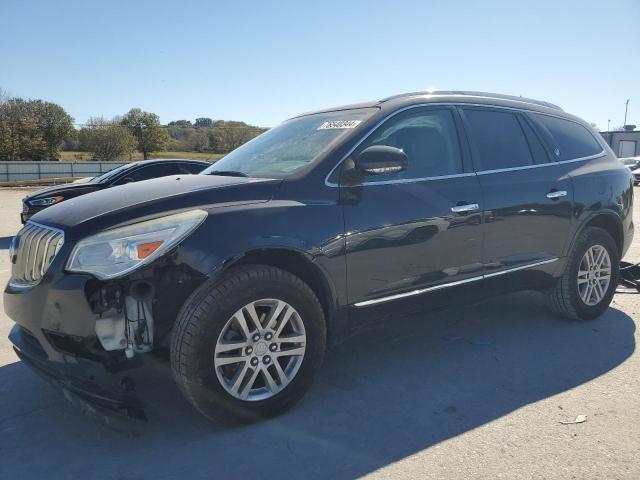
(105, 208)
(68, 188)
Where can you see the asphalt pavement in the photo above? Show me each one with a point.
(482, 391)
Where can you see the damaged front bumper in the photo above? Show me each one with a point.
(85, 382)
(55, 335)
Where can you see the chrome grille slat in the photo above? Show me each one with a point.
(34, 258)
(22, 251)
(37, 247)
(38, 257)
(44, 253)
(28, 242)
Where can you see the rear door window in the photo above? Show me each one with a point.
(572, 139)
(497, 139)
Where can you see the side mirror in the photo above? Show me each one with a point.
(380, 159)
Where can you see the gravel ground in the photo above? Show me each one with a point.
(473, 392)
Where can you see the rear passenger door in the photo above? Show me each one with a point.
(527, 195)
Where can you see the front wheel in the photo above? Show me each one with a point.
(248, 344)
(591, 274)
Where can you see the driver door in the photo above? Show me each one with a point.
(416, 230)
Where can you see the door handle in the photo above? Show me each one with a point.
(467, 207)
(555, 194)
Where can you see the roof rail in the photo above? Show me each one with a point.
(475, 94)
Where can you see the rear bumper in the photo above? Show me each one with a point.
(84, 382)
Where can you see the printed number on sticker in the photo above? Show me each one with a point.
(339, 124)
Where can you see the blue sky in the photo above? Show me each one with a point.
(262, 61)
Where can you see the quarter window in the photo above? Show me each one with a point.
(498, 140)
(429, 139)
(572, 139)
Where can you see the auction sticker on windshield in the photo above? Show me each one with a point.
(338, 124)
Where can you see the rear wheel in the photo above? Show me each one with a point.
(591, 274)
(248, 344)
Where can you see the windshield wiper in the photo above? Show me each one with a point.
(228, 173)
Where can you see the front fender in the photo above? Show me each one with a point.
(314, 231)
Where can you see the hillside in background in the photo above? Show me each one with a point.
(40, 130)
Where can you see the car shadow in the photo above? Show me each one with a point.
(379, 398)
(5, 242)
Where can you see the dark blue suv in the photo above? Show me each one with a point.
(308, 233)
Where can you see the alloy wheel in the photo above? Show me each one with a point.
(260, 349)
(594, 275)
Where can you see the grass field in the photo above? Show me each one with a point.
(66, 156)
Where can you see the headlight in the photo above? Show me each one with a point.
(113, 253)
(44, 202)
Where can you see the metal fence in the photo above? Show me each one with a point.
(21, 171)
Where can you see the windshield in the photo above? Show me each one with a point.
(111, 173)
(291, 145)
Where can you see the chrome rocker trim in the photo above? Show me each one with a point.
(452, 284)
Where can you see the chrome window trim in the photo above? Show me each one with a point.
(452, 284)
(414, 180)
(538, 165)
(481, 172)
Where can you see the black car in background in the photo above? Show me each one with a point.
(131, 172)
(309, 232)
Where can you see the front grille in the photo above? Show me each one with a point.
(35, 247)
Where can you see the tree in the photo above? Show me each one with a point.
(230, 135)
(204, 122)
(180, 123)
(55, 125)
(70, 142)
(20, 138)
(108, 140)
(146, 128)
(32, 129)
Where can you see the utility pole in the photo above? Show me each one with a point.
(626, 107)
(608, 125)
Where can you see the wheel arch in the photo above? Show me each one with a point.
(296, 263)
(608, 221)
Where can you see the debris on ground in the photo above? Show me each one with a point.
(579, 419)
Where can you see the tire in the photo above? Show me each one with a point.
(213, 313)
(566, 297)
